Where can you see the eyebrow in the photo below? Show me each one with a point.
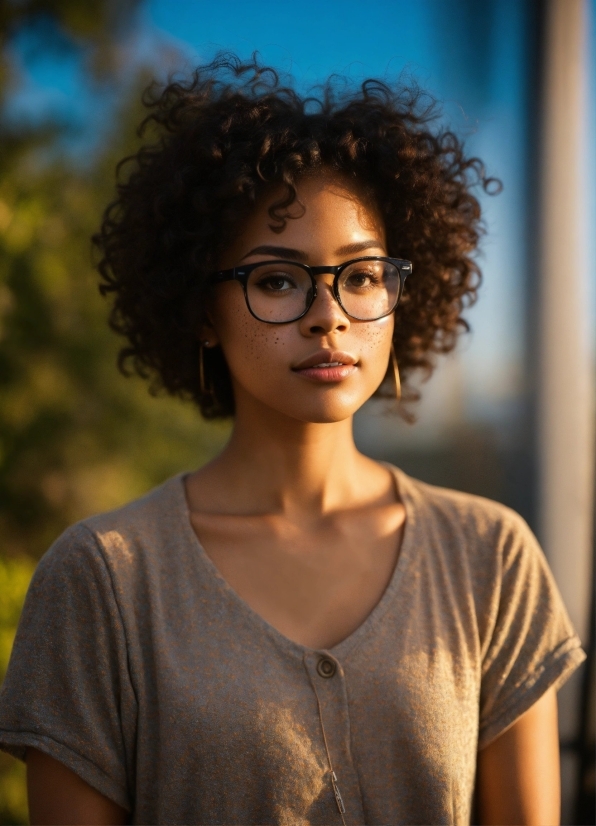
(280, 252)
(299, 255)
(360, 246)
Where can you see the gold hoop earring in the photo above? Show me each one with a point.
(205, 391)
(396, 374)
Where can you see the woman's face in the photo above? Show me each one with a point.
(275, 365)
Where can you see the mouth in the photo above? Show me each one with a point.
(327, 366)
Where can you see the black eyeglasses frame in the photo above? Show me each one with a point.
(243, 272)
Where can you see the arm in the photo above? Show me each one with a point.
(59, 796)
(518, 773)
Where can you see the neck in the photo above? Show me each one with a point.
(273, 463)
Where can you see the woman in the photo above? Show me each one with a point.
(294, 633)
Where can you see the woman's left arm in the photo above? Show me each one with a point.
(518, 773)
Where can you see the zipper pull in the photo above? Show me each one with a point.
(337, 793)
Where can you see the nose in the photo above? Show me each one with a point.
(325, 315)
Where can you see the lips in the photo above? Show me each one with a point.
(326, 358)
(327, 366)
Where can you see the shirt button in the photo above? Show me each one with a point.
(326, 667)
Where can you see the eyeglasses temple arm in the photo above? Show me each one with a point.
(225, 275)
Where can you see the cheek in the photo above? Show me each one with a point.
(375, 340)
(250, 347)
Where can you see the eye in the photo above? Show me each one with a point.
(362, 279)
(276, 282)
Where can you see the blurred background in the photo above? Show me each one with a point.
(510, 415)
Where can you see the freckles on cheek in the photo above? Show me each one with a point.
(251, 342)
(376, 348)
(378, 334)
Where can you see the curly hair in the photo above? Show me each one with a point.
(227, 136)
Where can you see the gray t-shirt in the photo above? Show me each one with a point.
(138, 667)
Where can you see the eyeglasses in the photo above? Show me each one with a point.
(279, 292)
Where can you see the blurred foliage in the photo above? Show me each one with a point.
(15, 575)
(75, 436)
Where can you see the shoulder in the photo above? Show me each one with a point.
(483, 548)
(453, 515)
(120, 539)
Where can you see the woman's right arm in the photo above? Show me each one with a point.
(59, 796)
(67, 698)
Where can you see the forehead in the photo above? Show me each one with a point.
(329, 212)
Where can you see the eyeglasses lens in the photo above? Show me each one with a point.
(369, 289)
(280, 293)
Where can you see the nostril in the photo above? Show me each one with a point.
(325, 328)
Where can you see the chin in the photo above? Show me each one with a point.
(325, 418)
(322, 410)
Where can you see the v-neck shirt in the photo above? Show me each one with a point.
(137, 666)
